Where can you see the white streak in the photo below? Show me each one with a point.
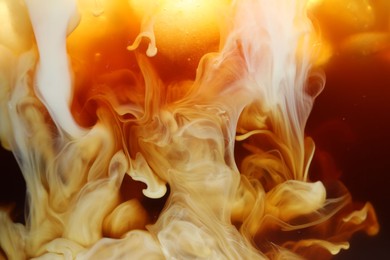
(52, 21)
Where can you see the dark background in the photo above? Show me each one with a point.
(350, 121)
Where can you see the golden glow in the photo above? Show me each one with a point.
(183, 28)
(361, 27)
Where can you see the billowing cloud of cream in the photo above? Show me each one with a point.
(102, 135)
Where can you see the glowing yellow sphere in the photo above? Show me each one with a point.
(184, 29)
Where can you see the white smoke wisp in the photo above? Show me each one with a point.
(225, 151)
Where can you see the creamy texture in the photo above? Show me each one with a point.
(111, 107)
